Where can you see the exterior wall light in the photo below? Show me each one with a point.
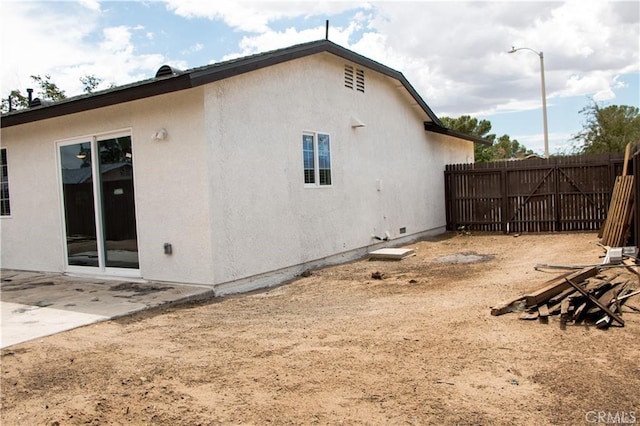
(356, 123)
(160, 135)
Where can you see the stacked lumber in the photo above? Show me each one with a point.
(616, 228)
(583, 296)
(615, 232)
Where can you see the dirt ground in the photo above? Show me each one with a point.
(338, 347)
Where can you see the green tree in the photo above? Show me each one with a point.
(48, 90)
(90, 83)
(17, 99)
(502, 148)
(505, 148)
(607, 129)
(472, 127)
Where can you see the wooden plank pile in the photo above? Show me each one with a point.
(617, 225)
(616, 228)
(584, 296)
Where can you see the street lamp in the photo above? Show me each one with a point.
(544, 96)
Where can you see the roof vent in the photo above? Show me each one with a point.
(166, 71)
(39, 102)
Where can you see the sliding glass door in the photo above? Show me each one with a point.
(99, 203)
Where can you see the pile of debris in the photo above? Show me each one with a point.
(587, 295)
(590, 295)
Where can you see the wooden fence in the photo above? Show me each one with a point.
(537, 195)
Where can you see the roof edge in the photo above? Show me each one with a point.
(204, 75)
(435, 128)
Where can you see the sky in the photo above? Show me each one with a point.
(454, 53)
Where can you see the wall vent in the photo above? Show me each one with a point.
(354, 78)
(360, 80)
(348, 76)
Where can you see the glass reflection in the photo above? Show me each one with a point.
(77, 187)
(118, 207)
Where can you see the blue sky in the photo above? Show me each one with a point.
(454, 53)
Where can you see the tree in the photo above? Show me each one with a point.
(502, 148)
(506, 148)
(17, 99)
(48, 90)
(472, 127)
(607, 129)
(90, 83)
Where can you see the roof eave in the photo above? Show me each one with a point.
(98, 100)
(435, 128)
(205, 75)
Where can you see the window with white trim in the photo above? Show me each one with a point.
(5, 209)
(316, 153)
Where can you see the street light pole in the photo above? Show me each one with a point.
(544, 96)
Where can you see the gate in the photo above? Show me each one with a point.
(536, 195)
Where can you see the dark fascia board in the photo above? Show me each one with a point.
(204, 75)
(105, 98)
(432, 127)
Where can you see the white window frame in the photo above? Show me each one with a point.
(101, 269)
(5, 166)
(316, 160)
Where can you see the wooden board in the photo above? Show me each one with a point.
(559, 285)
(506, 307)
(617, 222)
(596, 302)
(543, 311)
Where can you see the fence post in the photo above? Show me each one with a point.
(505, 200)
(556, 195)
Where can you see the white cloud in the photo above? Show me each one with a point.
(457, 50)
(454, 53)
(60, 40)
(254, 16)
(90, 4)
(465, 45)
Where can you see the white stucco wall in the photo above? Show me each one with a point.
(170, 177)
(226, 187)
(263, 217)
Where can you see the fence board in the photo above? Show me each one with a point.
(538, 195)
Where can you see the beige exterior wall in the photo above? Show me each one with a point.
(226, 187)
(169, 178)
(386, 176)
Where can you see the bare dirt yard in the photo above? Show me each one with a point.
(338, 347)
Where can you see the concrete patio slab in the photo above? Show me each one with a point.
(34, 305)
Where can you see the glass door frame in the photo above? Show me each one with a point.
(101, 269)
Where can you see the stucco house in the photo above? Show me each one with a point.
(235, 175)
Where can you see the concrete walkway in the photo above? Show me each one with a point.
(34, 305)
